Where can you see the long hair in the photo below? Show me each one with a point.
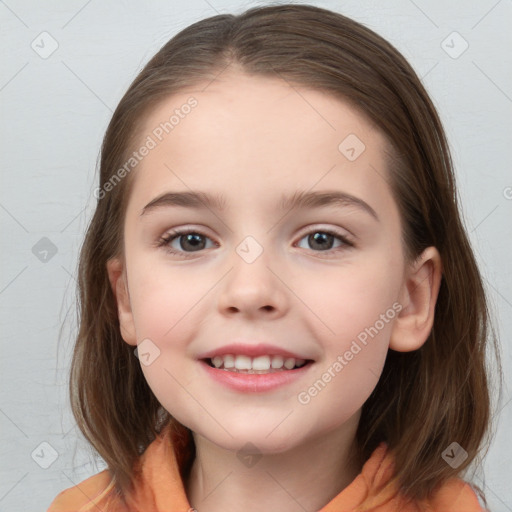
(426, 399)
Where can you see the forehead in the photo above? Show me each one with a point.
(247, 137)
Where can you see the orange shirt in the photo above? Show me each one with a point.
(159, 488)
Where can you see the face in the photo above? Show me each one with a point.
(319, 280)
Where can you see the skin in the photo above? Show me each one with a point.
(253, 140)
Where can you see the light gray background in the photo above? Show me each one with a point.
(54, 112)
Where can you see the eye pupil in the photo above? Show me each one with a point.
(319, 237)
(194, 239)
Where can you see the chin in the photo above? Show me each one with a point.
(246, 439)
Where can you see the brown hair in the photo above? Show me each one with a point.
(425, 399)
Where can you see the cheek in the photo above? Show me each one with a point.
(355, 350)
(164, 305)
(357, 308)
(162, 297)
(349, 299)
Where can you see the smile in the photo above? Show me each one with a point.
(255, 365)
(251, 380)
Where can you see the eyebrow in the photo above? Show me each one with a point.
(300, 199)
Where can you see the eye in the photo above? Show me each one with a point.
(183, 241)
(323, 241)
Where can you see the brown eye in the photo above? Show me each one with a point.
(184, 242)
(324, 240)
(191, 242)
(321, 241)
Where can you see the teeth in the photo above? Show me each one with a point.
(261, 363)
(277, 362)
(289, 363)
(217, 361)
(258, 364)
(243, 363)
(229, 361)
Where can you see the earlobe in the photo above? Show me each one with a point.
(419, 295)
(119, 286)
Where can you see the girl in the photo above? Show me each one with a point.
(279, 306)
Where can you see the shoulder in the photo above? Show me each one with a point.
(384, 493)
(96, 491)
(456, 495)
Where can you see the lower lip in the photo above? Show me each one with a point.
(253, 382)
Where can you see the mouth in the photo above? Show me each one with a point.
(256, 365)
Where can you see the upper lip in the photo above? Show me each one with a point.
(252, 350)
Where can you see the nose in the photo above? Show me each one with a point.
(254, 288)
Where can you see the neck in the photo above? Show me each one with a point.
(306, 477)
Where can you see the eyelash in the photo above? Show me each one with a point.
(176, 233)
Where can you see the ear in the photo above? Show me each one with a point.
(119, 285)
(418, 297)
